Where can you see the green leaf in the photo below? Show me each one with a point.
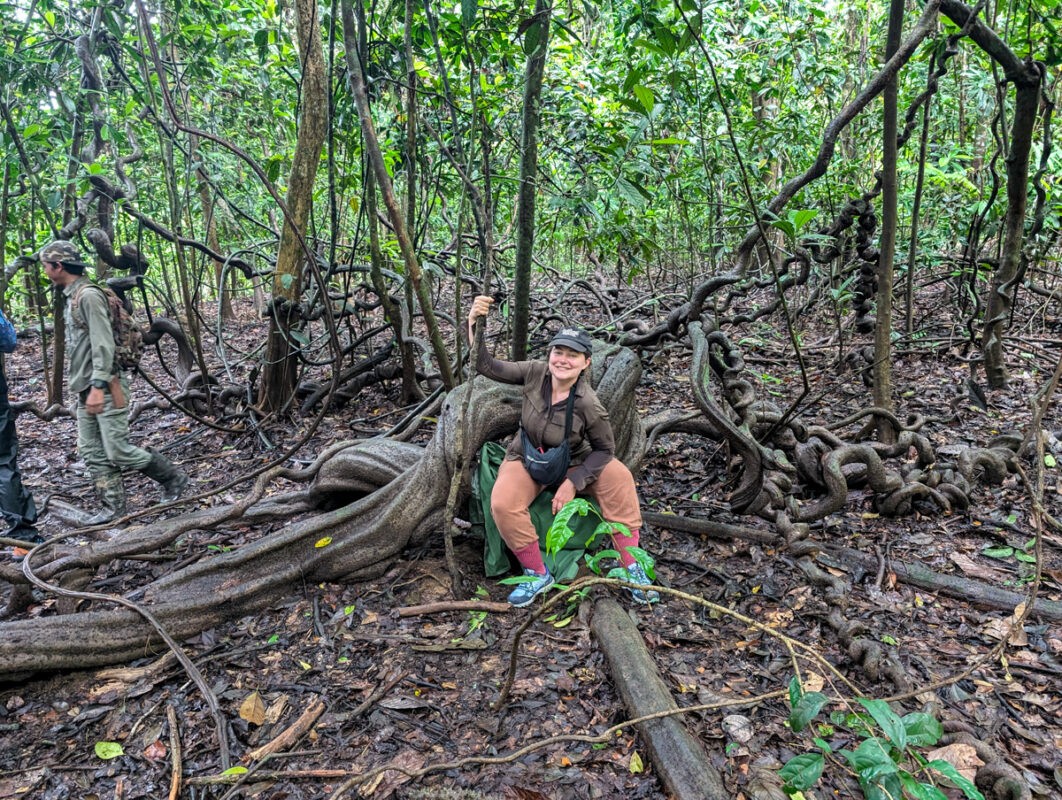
(1049, 460)
(801, 772)
(786, 227)
(888, 720)
(802, 217)
(998, 552)
(796, 691)
(468, 13)
(645, 97)
(947, 769)
(560, 531)
(532, 38)
(805, 710)
(619, 574)
(668, 141)
(645, 560)
(871, 760)
(287, 280)
(887, 787)
(606, 528)
(921, 791)
(235, 771)
(632, 192)
(594, 562)
(923, 730)
(1028, 558)
(273, 168)
(109, 750)
(557, 537)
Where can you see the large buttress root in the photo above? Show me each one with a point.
(365, 532)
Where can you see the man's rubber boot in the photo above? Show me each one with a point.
(111, 493)
(171, 480)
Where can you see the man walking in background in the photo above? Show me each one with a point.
(102, 390)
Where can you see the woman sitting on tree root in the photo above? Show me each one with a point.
(556, 400)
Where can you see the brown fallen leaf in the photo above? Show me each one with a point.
(999, 628)
(975, 570)
(385, 784)
(404, 703)
(812, 682)
(961, 756)
(252, 709)
(276, 710)
(17, 785)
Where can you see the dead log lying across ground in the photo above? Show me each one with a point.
(978, 593)
(678, 756)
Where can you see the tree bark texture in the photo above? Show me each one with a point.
(536, 43)
(279, 374)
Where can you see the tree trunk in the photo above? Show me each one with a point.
(886, 257)
(279, 373)
(1005, 281)
(392, 310)
(222, 282)
(366, 532)
(372, 146)
(920, 179)
(1027, 77)
(536, 43)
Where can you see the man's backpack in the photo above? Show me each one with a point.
(128, 338)
(8, 337)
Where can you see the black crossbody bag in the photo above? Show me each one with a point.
(549, 467)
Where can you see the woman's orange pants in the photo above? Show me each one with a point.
(515, 490)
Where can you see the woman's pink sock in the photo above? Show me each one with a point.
(530, 557)
(623, 542)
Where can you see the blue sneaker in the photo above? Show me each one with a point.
(527, 591)
(637, 575)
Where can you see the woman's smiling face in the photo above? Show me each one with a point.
(566, 364)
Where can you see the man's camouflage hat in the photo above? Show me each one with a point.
(66, 253)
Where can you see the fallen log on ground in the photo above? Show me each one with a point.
(678, 756)
(915, 573)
